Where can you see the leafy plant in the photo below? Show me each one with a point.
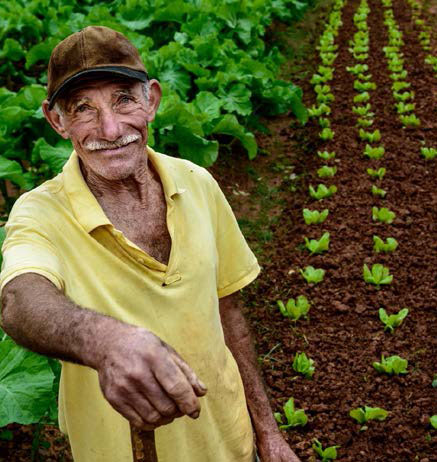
(363, 414)
(303, 365)
(294, 309)
(428, 153)
(317, 246)
(378, 275)
(403, 108)
(364, 123)
(324, 122)
(399, 85)
(326, 134)
(371, 137)
(409, 120)
(363, 111)
(312, 217)
(374, 152)
(405, 96)
(393, 365)
(295, 417)
(362, 97)
(393, 320)
(327, 454)
(325, 155)
(377, 173)
(378, 191)
(322, 191)
(313, 275)
(326, 171)
(364, 86)
(383, 214)
(379, 245)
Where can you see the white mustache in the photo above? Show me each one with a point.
(118, 143)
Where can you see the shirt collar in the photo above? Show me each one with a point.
(86, 208)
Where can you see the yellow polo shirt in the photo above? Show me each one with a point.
(60, 231)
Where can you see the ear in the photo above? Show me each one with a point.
(155, 93)
(54, 119)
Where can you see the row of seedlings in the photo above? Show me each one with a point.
(299, 307)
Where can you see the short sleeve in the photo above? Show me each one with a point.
(28, 249)
(237, 265)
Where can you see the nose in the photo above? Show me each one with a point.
(109, 124)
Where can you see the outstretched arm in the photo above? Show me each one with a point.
(141, 376)
(271, 445)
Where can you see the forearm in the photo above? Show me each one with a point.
(41, 318)
(239, 341)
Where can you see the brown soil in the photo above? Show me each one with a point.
(343, 333)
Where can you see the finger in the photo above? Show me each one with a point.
(175, 384)
(129, 413)
(198, 386)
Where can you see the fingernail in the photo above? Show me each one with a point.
(202, 385)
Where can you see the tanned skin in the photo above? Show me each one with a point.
(142, 377)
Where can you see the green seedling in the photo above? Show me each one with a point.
(364, 86)
(294, 309)
(362, 97)
(433, 421)
(364, 123)
(403, 108)
(314, 217)
(363, 111)
(393, 320)
(393, 365)
(405, 96)
(318, 111)
(295, 417)
(326, 134)
(357, 69)
(400, 85)
(327, 454)
(318, 79)
(363, 414)
(322, 191)
(317, 246)
(324, 122)
(379, 275)
(303, 365)
(410, 120)
(400, 75)
(377, 173)
(325, 155)
(428, 153)
(379, 245)
(378, 191)
(326, 171)
(313, 275)
(371, 137)
(325, 98)
(364, 77)
(383, 215)
(374, 152)
(322, 89)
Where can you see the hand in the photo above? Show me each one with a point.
(145, 380)
(274, 448)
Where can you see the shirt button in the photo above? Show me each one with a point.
(141, 261)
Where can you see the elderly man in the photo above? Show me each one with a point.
(127, 262)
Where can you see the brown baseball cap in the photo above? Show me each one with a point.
(93, 51)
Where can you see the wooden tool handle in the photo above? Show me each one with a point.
(143, 445)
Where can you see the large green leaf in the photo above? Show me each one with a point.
(237, 99)
(12, 117)
(12, 50)
(41, 52)
(26, 384)
(54, 156)
(11, 170)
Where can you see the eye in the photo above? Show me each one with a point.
(125, 99)
(81, 108)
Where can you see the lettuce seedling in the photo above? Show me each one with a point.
(393, 365)
(303, 365)
(377, 173)
(403, 108)
(379, 275)
(324, 122)
(317, 111)
(322, 89)
(378, 191)
(317, 246)
(362, 97)
(322, 191)
(371, 137)
(363, 110)
(366, 413)
(433, 421)
(326, 134)
(326, 171)
(400, 75)
(364, 86)
(410, 120)
(358, 68)
(400, 85)
(364, 123)
(428, 153)
(393, 320)
(330, 453)
(314, 217)
(313, 275)
(406, 95)
(364, 77)
(374, 153)
(325, 155)
(379, 245)
(294, 309)
(384, 215)
(325, 98)
(295, 417)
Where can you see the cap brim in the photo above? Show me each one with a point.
(97, 72)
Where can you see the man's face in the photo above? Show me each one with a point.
(106, 121)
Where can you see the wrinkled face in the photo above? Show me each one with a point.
(106, 120)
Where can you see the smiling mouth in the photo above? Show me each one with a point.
(115, 148)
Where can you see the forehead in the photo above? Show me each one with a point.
(89, 88)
